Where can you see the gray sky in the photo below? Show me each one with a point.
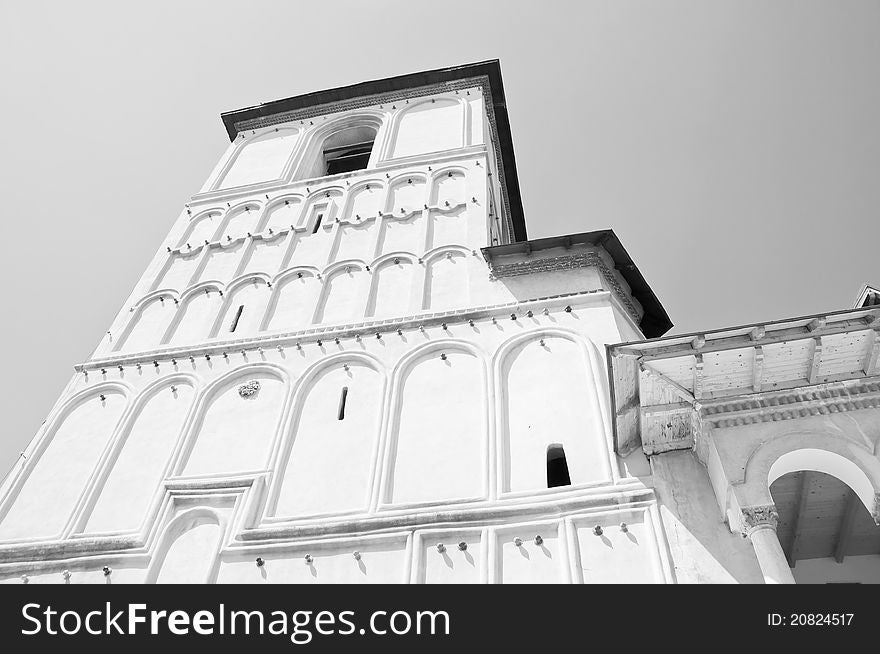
(733, 146)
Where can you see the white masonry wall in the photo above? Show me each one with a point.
(383, 408)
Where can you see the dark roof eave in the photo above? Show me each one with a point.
(655, 321)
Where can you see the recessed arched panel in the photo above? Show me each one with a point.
(407, 194)
(344, 296)
(293, 304)
(268, 255)
(261, 159)
(222, 262)
(236, 427)
(179, 270)
(429, 126)
(364, 201)
(245, 308)
(201, 229)
(240, 222)
(356, 241)
(449, 187)
(446, 283)
(392, 289)
(283, 215)
(197, 315)
(450, 228)
(148, 324)
(188, 555)
(330, 462)
(403, 235)
(60, 472)
(548, 393)
(142, 460)
(440, 430)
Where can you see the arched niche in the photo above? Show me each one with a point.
(189, 549)
(240, 221)
(57, 473)
(392, 292)
(195, 317)
(268, 254)
(549, 398)
(355, 241)
(364, 201)
(402, 234)
(243, 308)
(236, 423)
(293, 301)
(148, 323)
(222, 261)
(201, 228)
(439, 428)
(261, 159)
(179, 270)
(429, 126)
(343, 296)
(407, 193)
(282, 213)
(330, 464)
(142, 457)
(449, 187)
(446, 281)
(449, 227)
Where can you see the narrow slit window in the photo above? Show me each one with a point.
(557, 467)
(340, 415)
(237, 317)
(317, 223)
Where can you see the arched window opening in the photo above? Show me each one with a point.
(826, 532)
(557, 467)
(348, 150)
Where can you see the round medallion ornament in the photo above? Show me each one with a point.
(249, 389)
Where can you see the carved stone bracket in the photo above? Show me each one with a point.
(754, 517)
(249, 389)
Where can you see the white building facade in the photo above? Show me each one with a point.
(347, 363)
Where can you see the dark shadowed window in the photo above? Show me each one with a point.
(557, 467)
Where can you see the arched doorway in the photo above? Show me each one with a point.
(825, 530)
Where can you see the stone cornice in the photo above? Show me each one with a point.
(799, 402)
(588, 259)
(366, 329)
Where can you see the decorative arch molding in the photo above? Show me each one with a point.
(300, 393)
(120, 439)
(187, 520)
(411, 294)
(185, 299)
(814, 451)
(139, 308)
(293, 271)
(218, 183)
(594, 364)
(327, 277)
(399, 377)
(42, 444)
(292, 199)
(230, 297)
(212, 391)
(200, 217)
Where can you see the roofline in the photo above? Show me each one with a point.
(655, 321)
(490, 69)
(766, 323)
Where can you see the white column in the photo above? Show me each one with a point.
(759, 524)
